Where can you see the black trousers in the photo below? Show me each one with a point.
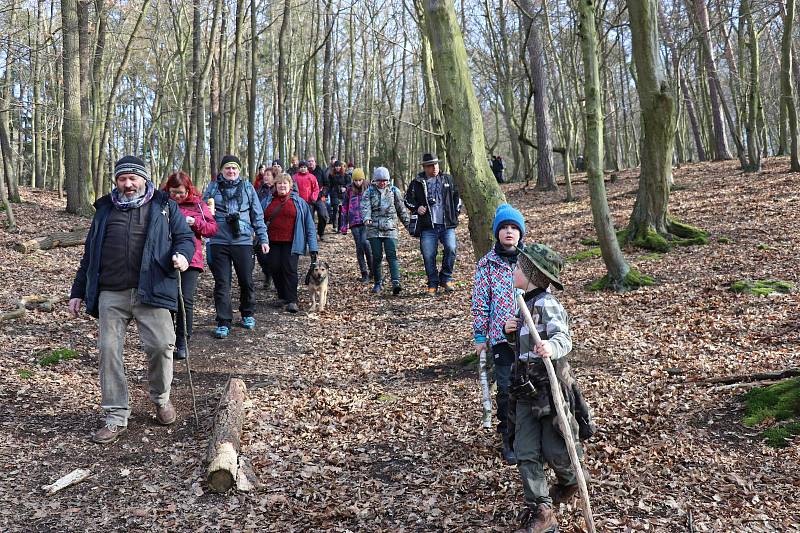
(189, 288)
(224, 260)
(502, 359)
(262, 262)
(322, 215)
(283, 267)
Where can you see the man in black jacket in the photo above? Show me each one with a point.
(319, 205)
(434, 198)
(137, 239)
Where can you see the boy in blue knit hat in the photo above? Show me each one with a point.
(493, 304)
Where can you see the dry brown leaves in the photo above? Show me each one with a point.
(363, 419)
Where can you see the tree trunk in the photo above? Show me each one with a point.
(464, 135)
(432, 103)
(616, 265)
(76, 181)
(251, 103)
(230, 143)
(753, 89)
(545, 179)
(283, 36)
(787, 89)
(721, 151)
(658, 124)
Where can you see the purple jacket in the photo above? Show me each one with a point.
(492, 298)
(351, 208)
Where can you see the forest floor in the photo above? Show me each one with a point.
(365, 418)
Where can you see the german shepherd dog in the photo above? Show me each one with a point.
(318, 286)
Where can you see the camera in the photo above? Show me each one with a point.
(233, 220)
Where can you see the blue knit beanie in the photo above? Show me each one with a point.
(506, 214)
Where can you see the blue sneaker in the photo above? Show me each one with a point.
(377, 288)
(222, 332)
(249, 322)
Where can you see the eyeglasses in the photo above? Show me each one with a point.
(178, 193)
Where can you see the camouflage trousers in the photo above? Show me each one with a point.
(536, 441)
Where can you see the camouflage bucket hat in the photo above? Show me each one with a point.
(545, 259)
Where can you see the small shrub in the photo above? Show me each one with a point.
(24, 373)
(56, 356)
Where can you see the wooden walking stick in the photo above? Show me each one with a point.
(566, 427)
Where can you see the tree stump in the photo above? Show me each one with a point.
(225, 443)
(55, 240)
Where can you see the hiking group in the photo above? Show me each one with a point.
(146, 246)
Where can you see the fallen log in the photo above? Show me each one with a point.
(225, 443)
(54, 240)
(34, 301)
(746, 378)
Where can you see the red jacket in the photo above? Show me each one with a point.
(307, 186)
(204, 226)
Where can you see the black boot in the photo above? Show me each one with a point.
(508, 450)
(180, 350)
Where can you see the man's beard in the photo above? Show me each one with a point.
(136, 195)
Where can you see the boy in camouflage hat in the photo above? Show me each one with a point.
(536, 433)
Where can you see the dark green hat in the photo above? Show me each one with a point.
(544, 259)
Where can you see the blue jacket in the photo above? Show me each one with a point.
(246, 204)
(167, 234)
(305, 231)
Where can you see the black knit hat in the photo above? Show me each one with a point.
(277, 162)
(130, 165)
(228, 159)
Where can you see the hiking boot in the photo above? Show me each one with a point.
(364, 277)
(292, 307)
(278, 303)
(563, 493)
(508, 451)
(449, 286)
(538, 520)
(222, 332)
(166, 414)
(249, 322)
(377, 287)
(108, 433)
(180, 353)
(396, 287)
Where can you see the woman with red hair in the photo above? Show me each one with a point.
(201, 220)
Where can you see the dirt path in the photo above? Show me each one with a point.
(364, 419)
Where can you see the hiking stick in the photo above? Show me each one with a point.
(566, 427)
(487, 399)
(186, 347)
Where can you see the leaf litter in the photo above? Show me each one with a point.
(363, 418)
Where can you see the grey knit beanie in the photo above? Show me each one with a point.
(131, 165)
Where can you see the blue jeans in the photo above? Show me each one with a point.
(429, 244)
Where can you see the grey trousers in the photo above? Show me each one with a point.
(537, 441)
(156, 332)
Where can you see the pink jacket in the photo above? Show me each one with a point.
(307, 186)
(204, 226)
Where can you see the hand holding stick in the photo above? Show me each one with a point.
(566, 427)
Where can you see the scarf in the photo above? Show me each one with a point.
(507, 255)
(123, 204)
